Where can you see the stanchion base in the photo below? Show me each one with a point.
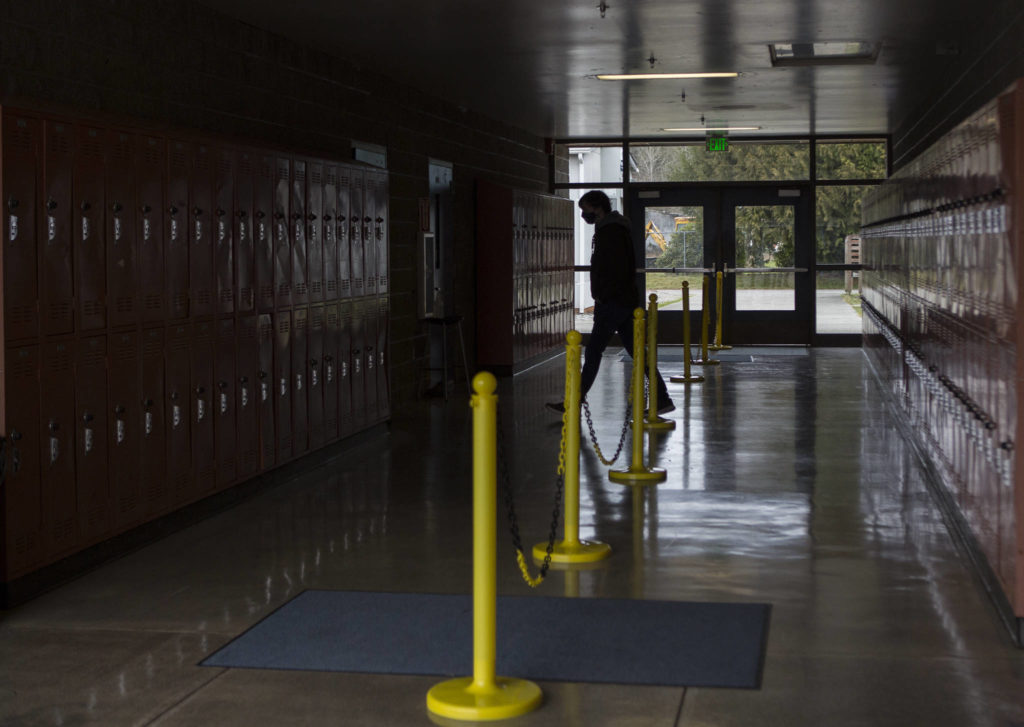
(659, 423)
(650, 476)
(582, 551)
(702, 362)
(458, 699)
(685, 380)
(718, 347)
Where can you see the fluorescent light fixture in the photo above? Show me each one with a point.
(718, 128)
(660, 76)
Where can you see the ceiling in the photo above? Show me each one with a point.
(532, 63)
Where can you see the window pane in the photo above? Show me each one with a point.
(592, 164)
(851, 160)
(743, 162)
(837, 216)
(674, 238)
(765, 238)
(838, 302)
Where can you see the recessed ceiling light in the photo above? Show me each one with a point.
(717, 128)
(660, 76)
(823, 53)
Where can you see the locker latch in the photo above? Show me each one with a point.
(12, 233)
(15, 452)
(175, 412)
(357, 358)
(147, 225)
(199, 224)
(119, 423)
(244, 398)
(241, 224)
(51, 221)
(172, 210)
(298, 382)
(369, 357)
(148, 417)
(223, 385)
(200, 404)
(264, 386)
(222, 229)
(87, 434)
(313, 376)
(284, 386)
(329, 361)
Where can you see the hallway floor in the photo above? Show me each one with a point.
(788, 484)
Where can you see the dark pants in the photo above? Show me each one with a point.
(609, 319)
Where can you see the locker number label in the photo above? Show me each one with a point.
(262, 232)
(313, 378)
(241, 231)
(344, 369)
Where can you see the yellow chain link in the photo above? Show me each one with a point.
(593, 438)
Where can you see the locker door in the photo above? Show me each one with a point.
(22, 500)
(329, 230)
(315, 376)
(383, 359)
(314, 231)
(244, 250)
(380, 230)
(283, 384)
(223, 227)
(300, 275)
(151, 425)
(204, 462)
(176, 232)
(122, 273)
(369, 235)
(332, 328)
(357, 182)
(201, 260)
(57, 450)
(346, 424)
(263, 239)
(124, 434)
(282, 240)
(300, 381)
(247, 416)
(369, 316)
(224, 406)
(358, 343)
(342, 231)
(22, 147)
(265, 391)
(93, 486)
(178, 402)
(150, 163)
(55, 241)
(90, 254)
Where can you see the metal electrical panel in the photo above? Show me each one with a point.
(55, 238)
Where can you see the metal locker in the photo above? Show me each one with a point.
(224, 406)
(314, 228)
(223, 227)
(150, 166)
(300, 381)
(357, 183)
(368, 313)
(329, 232)
(21, 151)
(57, 283)
(57, 449)
(342, 231)
(383, 359)
(332, 330)
(282, 240)
(243, 220)
(300, 276)
(178, 408)
(315, 376)
(151, 425)
(262, 233)
(380, 229)
(122, 275)
(90, 253)
(346, 423)
(202, 277)
(357, 327)
(247, 420)
(283, 384)
(176, 229)
(265, 397)
(369, 234)
(124, 436)
(203, 395)
(92, 483)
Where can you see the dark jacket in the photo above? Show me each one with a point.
(612, 262)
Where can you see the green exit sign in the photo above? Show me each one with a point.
(718, 143)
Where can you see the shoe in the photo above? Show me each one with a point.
(666, 407)
(556, 406)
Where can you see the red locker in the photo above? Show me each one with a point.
(300, 381)
(150, 166)
(124, 434)
(315, 376)
(224, 413)
(21, 501)
(223, 227)
(368, 314)
(357, 184)
(358, 354)
(314, 229)
(329, 232)
(343, 229)
(90, 253)
(332, 331)
(380, 228)
(56, 293)
(262, 233)
(57, 453)
(176, 232)
(151, 425)
(244, 249)
(282, 240)
(383, 359)
(247, 415)
(93, 485)
(178, 403)
(300, 276)
(22, 147)
(346, 330)
(265, 391)
(122, 273)
(204, 461)
(283, 384)
(201, 262)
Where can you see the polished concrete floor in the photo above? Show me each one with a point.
(788, 484)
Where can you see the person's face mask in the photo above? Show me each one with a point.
(589, 217)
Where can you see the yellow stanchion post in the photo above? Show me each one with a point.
(654, 422)
(686, 378)
(572, 549)
(705, 321)
(484, 696)
(638, 474)
(718, 345)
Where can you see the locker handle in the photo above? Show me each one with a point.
(379, 220)
(15, 435)
(296, 216)
(327, 218)
(342, 218)
(197, 212)
(146, 209)
(222, 384)
(12, 203)
(51, 204)
(313, 362)
(279, 215)
(119, 409)
(117, 207)
(85, 206)
(85, 418)
(200, 390)
(241, 214)
(220, 212)
(262, 374)
(172, 210)
(243, 380)
(328, 358)
(261, 214)
(147, 403)
(311, 217)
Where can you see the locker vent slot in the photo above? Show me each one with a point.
(152, 346)
(332, 288)
(316, 287)
(58, 143)
(157, 491)
(301, 289)
(205, 297)
(266, 292)
(23, 367)
(227, 295)
(128, 503)
(153, 301)
(89, 146)
(59, 360)
(124, 304)
(284, 289)
(24, 544)
(21, 137)
(22, 314)
(93, 308)
(64, 530)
